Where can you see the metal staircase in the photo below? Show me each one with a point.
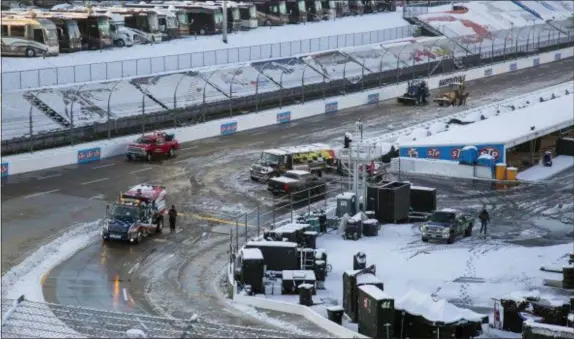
(50, 113)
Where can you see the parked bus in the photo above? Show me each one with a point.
(329, 10)
(233, 16)
(297, 11)
(342, 7)
(248, 13)
(69, 36)
(356, 7)
(143, 19)
(203, 18)
(29, 37)
(272, 12)
(172, 22)
(315, 10)
(94, 27)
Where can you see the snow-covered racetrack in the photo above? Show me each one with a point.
(213, 173)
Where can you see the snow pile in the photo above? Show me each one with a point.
(541, 172)
(425, 306)
(27, 277)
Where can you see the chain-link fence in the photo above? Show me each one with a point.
(53, 117)
(37, 78)
(27, 319)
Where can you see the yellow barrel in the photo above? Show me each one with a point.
(500, 171)
(511, 173)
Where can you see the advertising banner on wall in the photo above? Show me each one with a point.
(5, 169)
(451, 153)
(228, 128)
(89, 155)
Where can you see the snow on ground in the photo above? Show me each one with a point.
(468, 273)
(28, 277)
(246, 42)
(540, 172)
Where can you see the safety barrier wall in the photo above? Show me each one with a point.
(443, 168)
(30, 162)
(308, 313)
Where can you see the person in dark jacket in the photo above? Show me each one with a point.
(484, 220)
(172, 218)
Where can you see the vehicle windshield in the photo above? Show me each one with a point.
(442, 217)
(269, 158)
(73, 30)
(235, 14)
(252, 12)
(218, 17)
(282, 7)
(125, 212)
(291, 175)
(171, 22)
(104, 26)
(145, 141)
(51, 36)
(182, 18)
(153, 21)
(301, 5)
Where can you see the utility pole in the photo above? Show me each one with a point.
(224, 35)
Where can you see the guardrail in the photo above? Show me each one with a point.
(28, 162)
(114, 70)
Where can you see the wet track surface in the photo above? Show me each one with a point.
(173, 273)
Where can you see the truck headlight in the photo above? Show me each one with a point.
(446, 230)
(424, 228)
(106, 226)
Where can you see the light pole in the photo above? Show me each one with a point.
(359, 125)
(224, 23)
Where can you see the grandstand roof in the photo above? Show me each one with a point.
(509, 129)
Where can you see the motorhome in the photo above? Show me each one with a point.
(356, 7)
(94, 27)
(144, 20)
(22, 36)
(168, 24)
(342, 8)
(122, 35)
(248, 13)
(371, 6)
(181, 18)
(233, 15)
(329, 10)
(69, 36)
(203, 18)
(272, 12)
(297, 11)
(314, 10)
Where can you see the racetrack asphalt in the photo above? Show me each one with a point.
(38, 206)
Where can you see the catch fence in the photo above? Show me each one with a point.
(135, 67)
(55, 117)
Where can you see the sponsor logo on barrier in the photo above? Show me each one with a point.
(433, 153)
(488, 72)
(447, 81)
(5, 168)
(229, 128)
(89, 155)
(513, 67)
(449, 152)
(332, 107)
(373, 98)
(283, 117)
(455, 153)
(536, 62)
(557, 56)
(490, 151)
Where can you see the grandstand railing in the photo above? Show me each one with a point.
(188, 103)
(37, 78)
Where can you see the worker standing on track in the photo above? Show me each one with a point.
(484, 220)
(172, 218)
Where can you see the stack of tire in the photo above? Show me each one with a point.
(568, 277)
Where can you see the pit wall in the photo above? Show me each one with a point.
(444, 168)
(95, 151)
(304, 311)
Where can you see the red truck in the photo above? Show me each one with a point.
(149, 146)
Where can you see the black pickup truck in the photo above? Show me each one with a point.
(447, 225)
(297, 183)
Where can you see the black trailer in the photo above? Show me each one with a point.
(297, 11)
(277, 255)
(252, 269)
(203, 18)
(376, 312)
(290, 232)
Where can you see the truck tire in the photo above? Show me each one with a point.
(148, 156)
(129, 157)
(450, 239)
(139, 237)
(159, 227)
(30, 53)
(171, 152)
(468, 231)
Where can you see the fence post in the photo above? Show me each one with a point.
(291, 196)
(258, 220)
(236, 235)
(245, 227)
(309, 200)
(273, 210)
(31, 128)
(231, 251)
(143, 113)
